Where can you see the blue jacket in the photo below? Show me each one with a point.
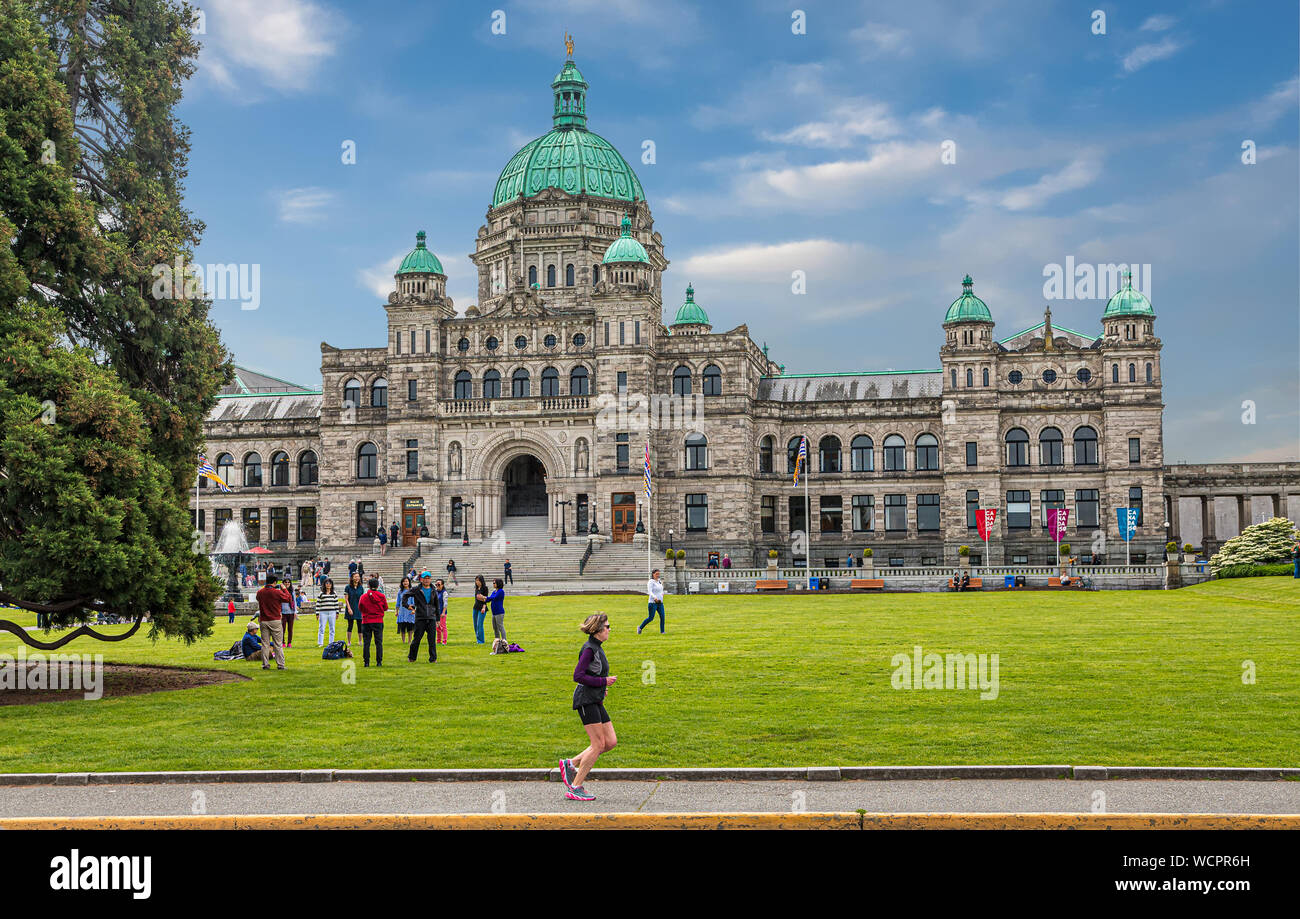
(252, 644)
(497, 599)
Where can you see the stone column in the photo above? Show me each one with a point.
(1243, 512)
(1174, 532)
(1207, 520)
(1277, 500)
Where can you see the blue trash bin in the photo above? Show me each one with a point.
(1009, 581)
(814, 583)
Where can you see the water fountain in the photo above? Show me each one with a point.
(231, 550)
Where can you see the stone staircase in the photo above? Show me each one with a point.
(539, 563)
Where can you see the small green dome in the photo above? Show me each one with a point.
(625, 248)
(690, 313)
(421, 260)
(968, 307)
(1128, 301)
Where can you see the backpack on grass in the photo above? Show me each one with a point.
(336, 650)
(499, 646)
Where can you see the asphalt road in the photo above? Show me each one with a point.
(953, 796)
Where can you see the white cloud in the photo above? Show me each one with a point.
(279, 43)
(1158, 23)
(847, 125)
(303, 205)
(877, 38)
(1281, 101)
(761, 262)
(1142, 55)
(1077, 174)
(378, 279)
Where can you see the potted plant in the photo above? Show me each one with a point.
(963, 555)
(772, 555)
(671, 557)
(1189, 553)
(681, 555)
(1171, 551)
(867, 561)
(1064, 548)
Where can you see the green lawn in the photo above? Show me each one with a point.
(1120, 678)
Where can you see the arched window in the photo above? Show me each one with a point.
(1132, 373)
(986, 376)
(712, 380)
(568, 275)
(791, 454)
(952, 375)
(895, 453)
(595, 275)
(367, 462)
(308, 470)
(863, 454)
(927, 452)
(532, 275)
(970, 378)
(828, 454)
(253, 470)
(1114, 373)
(1017, 447)
(379, 393)
(682, 381)
(765, 447)
(697, 451)
(464, 385)
(1148, 373)
(492, 385)
(226, 468)
(352, 393)
(579, 382)
(279, 468)
(550, 275)
(1051, 448)
(1085, 447)
(550, 382)
(519, 385)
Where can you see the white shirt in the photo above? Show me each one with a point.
(655, 589)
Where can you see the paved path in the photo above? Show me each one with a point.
(968, 796)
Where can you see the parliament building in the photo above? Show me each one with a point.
(538, 393)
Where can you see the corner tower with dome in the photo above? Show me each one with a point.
(523, 414)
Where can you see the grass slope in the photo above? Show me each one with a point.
(1141, 678)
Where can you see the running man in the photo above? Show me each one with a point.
(654, 589)
(592, 677)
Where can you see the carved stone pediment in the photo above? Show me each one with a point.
(518, 303)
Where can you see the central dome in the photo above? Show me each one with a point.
(569, 157)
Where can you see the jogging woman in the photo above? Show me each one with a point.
(592, 676)
(353, 593)
(327, 612)
(405, 613)
(480, 606)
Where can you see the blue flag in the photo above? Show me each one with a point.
(1127, 519)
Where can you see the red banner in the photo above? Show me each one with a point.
(984, 518)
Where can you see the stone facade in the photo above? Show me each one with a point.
(566, 360)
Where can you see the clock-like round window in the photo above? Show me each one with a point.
(1015, 376)
(492, 343)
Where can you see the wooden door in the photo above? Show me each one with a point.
(412, 520)
(623, 525)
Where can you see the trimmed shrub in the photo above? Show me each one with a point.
(1188, 548)
(668, 553)
(1276, 569)
(1171, 547)
(772, 553)
(1270, 541)
(681, 554)
(868, 552)
(963, 551)
(1065, 548)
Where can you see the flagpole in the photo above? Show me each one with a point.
(648, 563)
(807, 519)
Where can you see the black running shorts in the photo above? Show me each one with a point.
(593, 714)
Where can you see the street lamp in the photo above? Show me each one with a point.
(670, 539)
(564, 536)
(464, 522)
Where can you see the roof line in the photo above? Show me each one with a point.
(267, 375)
(254, 395)
(847, 373)
(1059, 328)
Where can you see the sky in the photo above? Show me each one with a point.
(882, 150)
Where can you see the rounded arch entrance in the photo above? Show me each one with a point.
(525, 487)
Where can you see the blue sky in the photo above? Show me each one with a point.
(775, 152)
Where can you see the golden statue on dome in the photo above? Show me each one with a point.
(568, 44)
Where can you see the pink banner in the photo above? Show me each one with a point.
(1057, 520)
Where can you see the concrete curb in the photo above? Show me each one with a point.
(666, 774)
(719, 821)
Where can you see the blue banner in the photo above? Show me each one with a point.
(1127, 520)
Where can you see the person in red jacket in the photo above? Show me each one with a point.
(373, 606)
(269, 599)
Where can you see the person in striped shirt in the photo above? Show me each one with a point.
(327, 610)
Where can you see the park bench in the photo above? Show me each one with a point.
(975, 583)
(1056, 582)
(867, 584)
(771, 585)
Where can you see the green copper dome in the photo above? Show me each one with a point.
(626, 248)
(968, 307)
(569, 157)
(421, 260)
(690, 313)
(1128, 301)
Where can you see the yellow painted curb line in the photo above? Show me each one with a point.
(685, 821)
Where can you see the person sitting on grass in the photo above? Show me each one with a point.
(252, 644)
